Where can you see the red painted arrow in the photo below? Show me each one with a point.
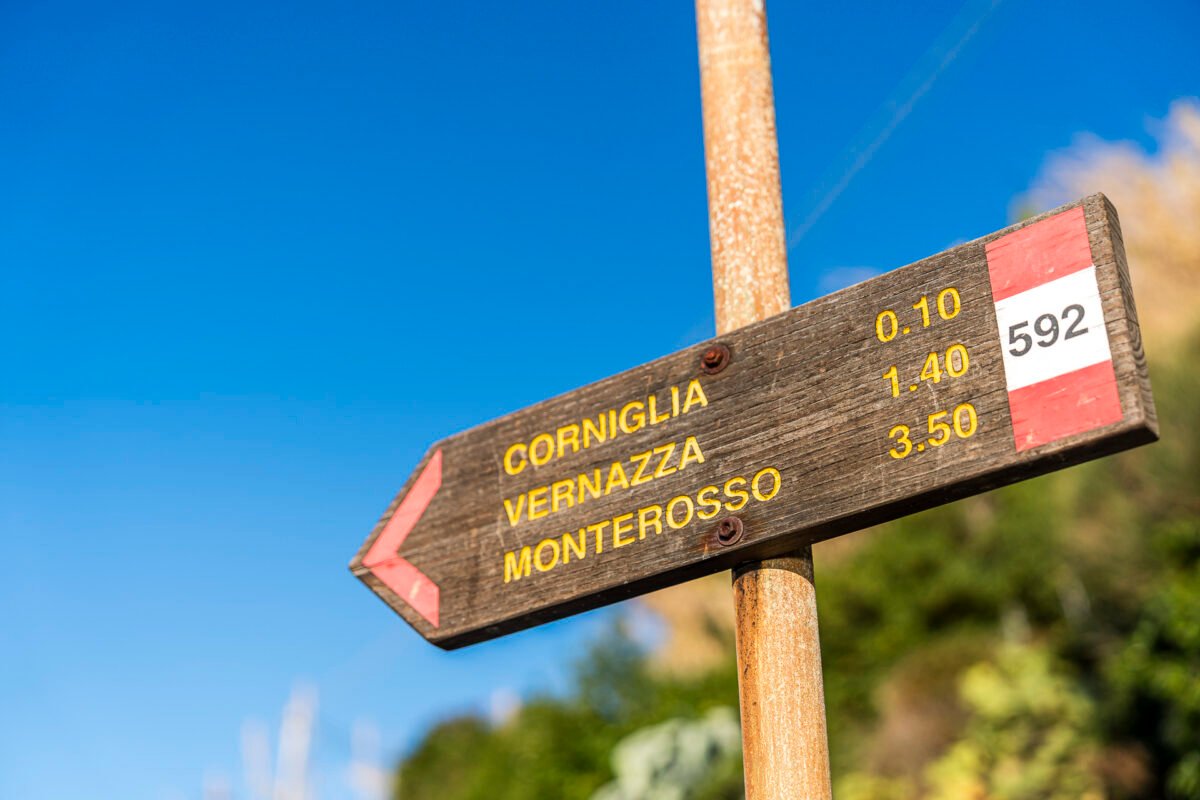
(383, 557)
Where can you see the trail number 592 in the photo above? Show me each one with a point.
(1046, 328)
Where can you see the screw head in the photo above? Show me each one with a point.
(729, 531)
(714, 359)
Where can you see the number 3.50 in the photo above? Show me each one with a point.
(1046, 327)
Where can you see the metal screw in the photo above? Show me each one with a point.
(729, 531)
(715, 359)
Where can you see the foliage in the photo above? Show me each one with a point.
(1030, 735)
(679, 759)
(1158, 672)
(561, 747)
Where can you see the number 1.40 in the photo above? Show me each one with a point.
(955, 364)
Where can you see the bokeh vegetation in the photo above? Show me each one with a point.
(1040, 641)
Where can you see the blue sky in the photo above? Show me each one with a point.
(256, 257)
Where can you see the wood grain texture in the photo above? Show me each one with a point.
(741, 156)
(779, 680)
(802, 394)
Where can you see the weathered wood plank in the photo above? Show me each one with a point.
(805, 396)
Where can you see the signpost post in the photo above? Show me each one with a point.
(1004, 358)
(785, 744)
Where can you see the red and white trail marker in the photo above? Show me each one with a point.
(1058, 365)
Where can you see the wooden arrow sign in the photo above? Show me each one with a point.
(1002, 359)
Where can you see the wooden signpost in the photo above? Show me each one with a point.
(998, 360)
(1001, 359)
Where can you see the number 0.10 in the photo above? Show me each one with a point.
(887, 324)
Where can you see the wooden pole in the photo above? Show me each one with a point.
(784, 739)
(745, 207)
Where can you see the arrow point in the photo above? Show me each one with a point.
(412, 586)
(383, 556)
(406, 515)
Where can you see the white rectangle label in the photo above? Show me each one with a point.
(1052, 329)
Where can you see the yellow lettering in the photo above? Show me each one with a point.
(691, 452)
(567, 435)
(620, 527)
(638, 415)
(687, 501)
(593, 489)
(730, 492)
(569, 546)
(705, 498)
(616, 473)
(538, 499)
(533, 449)
(695, 394)
(594, 430)
(514, 570)
(654, 418)
(647, 517)
(776, 480)
(666, 450)
(509, 466)
(537, 555)
(562, 491)
(514, 515)
(598, 529)
(628, 419)
(679, 512)
(641, 459)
